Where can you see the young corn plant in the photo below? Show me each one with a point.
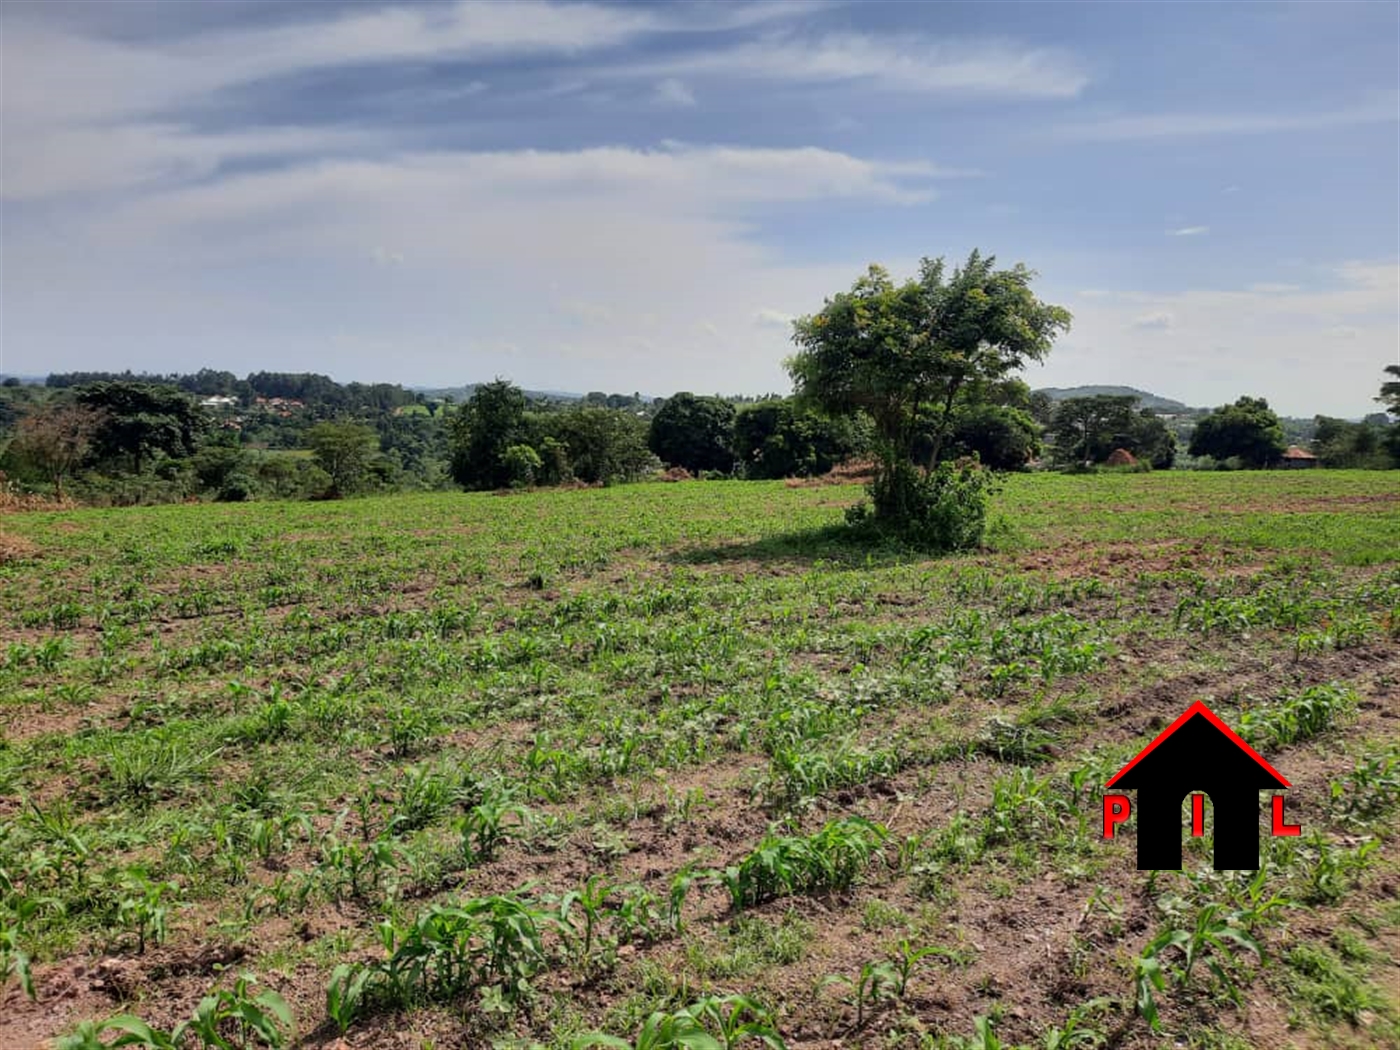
(712, 1023)
(1369, 791)
(883, 980)
(14, 961)
(345, 994)
(1293, 719)
(491, 823)
(1212, 941)
(225, 1019)
(828, 861)
(143, 907)
(591, 947)
(874, 985)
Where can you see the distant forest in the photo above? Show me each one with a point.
(125, 438)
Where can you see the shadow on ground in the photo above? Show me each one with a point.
(830, 544)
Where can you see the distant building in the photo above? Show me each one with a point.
(219, 401)
(1297, 458)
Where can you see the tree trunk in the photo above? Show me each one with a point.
(941, 433)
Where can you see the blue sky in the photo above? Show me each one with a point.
(588, 196)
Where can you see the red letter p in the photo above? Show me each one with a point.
(1116, 809)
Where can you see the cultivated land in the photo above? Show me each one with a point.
(545, 764)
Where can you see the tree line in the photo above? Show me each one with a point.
(918, 378)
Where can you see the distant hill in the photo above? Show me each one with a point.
(1149, 400)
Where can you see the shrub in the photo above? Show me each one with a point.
(521, 464)
(236, 488)
(943, 509)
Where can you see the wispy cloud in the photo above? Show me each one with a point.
(672, 92)
(129, 79)
(910, 63)
(1241, 335)
(1157, 320)
(82, 159)
(1189, 231)
(1182, 125)
(770, 318)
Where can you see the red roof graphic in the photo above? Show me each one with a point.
(1199, 708)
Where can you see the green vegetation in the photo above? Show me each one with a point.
(1248, 431)
(686, 765)
(119, 439)
(922, 350)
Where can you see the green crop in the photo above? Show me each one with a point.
(349, 731)
(226, 1019)
(828, 861)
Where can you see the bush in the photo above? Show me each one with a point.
(521, 464)
(943, 509)
(236, 488)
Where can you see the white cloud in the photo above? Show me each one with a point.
(672, 92)
(1221, 343)
(1189, 231)
(908, 63)
(122, 79)
(771, 318)
(1159, 320)
(646, 248)
(83, 159)
(582, 310)
(1381, 110)
(85, 114)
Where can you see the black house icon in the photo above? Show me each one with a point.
(1198, 753)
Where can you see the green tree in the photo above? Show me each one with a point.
(1340, 443)
(694, 433)
(492, 420)
(899, 351)
(1390, 391)
(56, 439)
(1000, 437)
(1151, 439)
(604, 444)
(1248, 430)
(522, 464)
(214, 464)
(1087, 429)
(143, 420)
(344, 451)
(778, 438)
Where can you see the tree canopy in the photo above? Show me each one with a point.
(489, 423)
(694, 433)
(779, 438)
(141, 420)
(1390, 391)
(1248, 430)
(908, 355)
(57, 438)
(889, 348)
(1087, 430)
(343, 451)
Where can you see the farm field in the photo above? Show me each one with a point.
(514, 770)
